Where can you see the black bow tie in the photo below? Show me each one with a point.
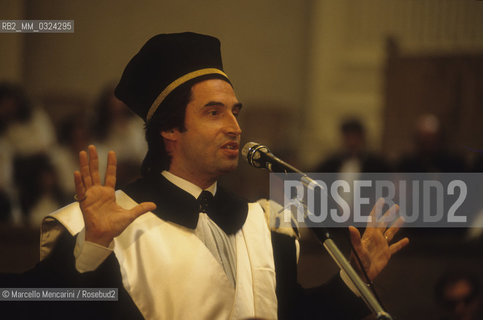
(226, 209)
(205, 201)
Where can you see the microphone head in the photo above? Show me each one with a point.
(246, 149)
(251, 152)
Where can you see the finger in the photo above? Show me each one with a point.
(79, 186)
(355, 237)
(356, 241)
(398, 245)
(393, 230)
(110, 180)
(141, 209)
(388, 216)
(376, 211)
(94, 165)
(84, 169)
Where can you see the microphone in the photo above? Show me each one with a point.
(259, 156)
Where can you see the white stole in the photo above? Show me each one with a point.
(170, 274)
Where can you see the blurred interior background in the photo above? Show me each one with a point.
(334, 86)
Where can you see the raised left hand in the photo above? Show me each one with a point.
(375, 248)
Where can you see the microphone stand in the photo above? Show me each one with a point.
(323, 236)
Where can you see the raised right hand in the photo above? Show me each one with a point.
(104, 219)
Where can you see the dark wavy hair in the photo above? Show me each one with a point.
(170, 115)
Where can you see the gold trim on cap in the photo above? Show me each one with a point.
(176, 83)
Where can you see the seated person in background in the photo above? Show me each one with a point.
(353, 156)
(430, 153)
(459, 295)
(116, 127)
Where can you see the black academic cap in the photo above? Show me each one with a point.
(164, 63)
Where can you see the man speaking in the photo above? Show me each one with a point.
(175, 243)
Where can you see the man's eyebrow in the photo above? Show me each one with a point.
(214, 103)
(217, 103)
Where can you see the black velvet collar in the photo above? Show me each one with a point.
(178, 206)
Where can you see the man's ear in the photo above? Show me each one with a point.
(170, 135)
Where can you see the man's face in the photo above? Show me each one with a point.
(209, 146)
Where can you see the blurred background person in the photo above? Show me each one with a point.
(38, 188)
(353, 156)
(73, 136)
(115, 127)
(26, 131)
(5, 207)
(458, 293)
(25, 126)
(352, 159)
(430, 153)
